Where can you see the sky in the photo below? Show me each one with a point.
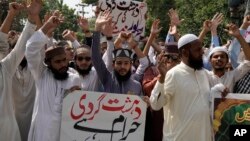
(72, 4)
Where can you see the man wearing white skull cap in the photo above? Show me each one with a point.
(184, 95)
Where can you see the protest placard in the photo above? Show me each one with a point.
(127, 15)
(90, 116)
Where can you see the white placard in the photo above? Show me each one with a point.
(92, 116)
(127, 15)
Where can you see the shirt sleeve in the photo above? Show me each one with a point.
(234, 50)
(76, 44)
(162, 93)
(157, 98)
(241, 70)
(100, 67)
(144, 63)
(215, 41)
(4, 46)
(35, 53)
(13, 59)
(169, 38)
(107, 56)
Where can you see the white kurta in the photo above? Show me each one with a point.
(8, 126)
(24, 93)
(90, 82)
(46, 118)
(185, 100)
(230, 78)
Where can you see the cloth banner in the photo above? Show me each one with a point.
(234, 110)
(93, 116)
(127, 15)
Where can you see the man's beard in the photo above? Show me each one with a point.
(219, 69)
(82, 71)
(121, 78)
(194, 63)
(23, 63)
(58, 75)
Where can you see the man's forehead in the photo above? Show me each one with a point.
(122, 59)
(196, 44)
(219, 53)
(59, 57)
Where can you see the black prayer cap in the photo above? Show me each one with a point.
(121, 52)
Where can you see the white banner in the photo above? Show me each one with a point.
(127, 15)
(92, 116)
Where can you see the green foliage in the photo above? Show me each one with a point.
(68, 13)
(158, 10)
(195, 12)
(89, 1)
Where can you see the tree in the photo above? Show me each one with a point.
(196, 11)
(70, 21)
(158, 10)
(89, 1)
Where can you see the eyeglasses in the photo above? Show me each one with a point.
(83, 58)
(173, 57)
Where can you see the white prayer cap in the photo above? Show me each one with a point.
(217, 49)
(186, 39)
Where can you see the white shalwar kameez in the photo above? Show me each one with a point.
(9, 130)
(185, 100)
(46, 118)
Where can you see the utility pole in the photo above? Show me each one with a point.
(82, 5)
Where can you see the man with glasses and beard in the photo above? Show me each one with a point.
(184, 95)
(52, 81)
(83, 65)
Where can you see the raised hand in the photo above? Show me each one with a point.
(162, 67)
(233, 30)
(107, 29)
(215, 22)
(122, 37)
(34, 8)
(83, 23)
(102, 19)
(130, 39)
(68, 35)
(15, 8)
(246, 22)
(207, 25)
(52, 23)
(155, 27)
(47, 16)
(174, 17)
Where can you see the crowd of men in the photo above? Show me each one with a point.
(174, 77)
